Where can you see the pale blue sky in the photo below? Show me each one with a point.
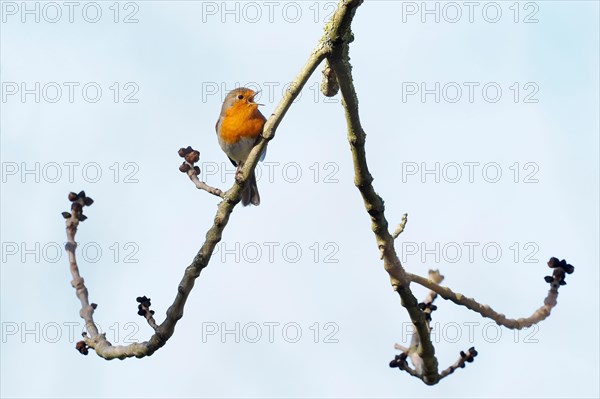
(305, 259)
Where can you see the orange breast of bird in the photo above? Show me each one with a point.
(241, 120)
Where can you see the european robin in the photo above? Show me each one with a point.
(238, 128)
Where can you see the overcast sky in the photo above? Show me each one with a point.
(482, 124)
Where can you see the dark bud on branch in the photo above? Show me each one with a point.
(469, 356)
(184, 167)
(82, 347)
(399, 360)
(189, 154)
(184, 151)
(561, 269)
(144, 305)
(554, 263)
(429, 305)
(78, 202)
(143, 300)
(193, 156)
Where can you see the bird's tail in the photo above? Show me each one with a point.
(250, 194)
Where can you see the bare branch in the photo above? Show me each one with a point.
(401, 226)
(78, 201)
(94, 340)
(144, 310)
(339, 61)
(461, 362)
(412, 352)
(339, 22)
(422, 351)
(190, 157)
(203, 186)
(337, 76)
(436, 277)
(558, 279)
(400, 348)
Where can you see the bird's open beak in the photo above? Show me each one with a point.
(255, 96)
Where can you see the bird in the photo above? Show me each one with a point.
(238, 128)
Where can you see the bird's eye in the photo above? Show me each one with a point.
(240, 97)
